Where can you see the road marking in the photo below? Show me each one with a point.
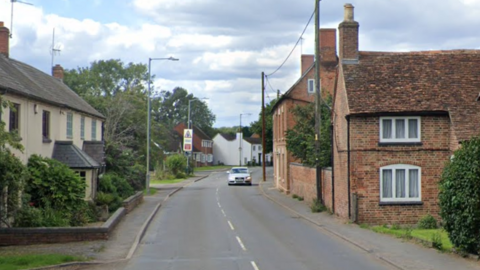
(241, 244)
(223, 212)
(219, 205)
(254, 265)
(231, 225)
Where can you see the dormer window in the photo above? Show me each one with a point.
(400, 129)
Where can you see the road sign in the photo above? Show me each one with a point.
(187, 140)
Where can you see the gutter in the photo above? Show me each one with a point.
(348, 168)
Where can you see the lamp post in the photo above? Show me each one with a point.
(241, 138)
(147, 184)
(188, 127)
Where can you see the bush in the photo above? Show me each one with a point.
(30, 216)
(437, 241)
(427, 222)
(53, 184)
(176, 164)
(460, 197)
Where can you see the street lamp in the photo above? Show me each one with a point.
(188, 127)
(148, 119)
(241, 136)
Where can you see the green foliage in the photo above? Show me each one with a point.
(437, 241)
(408, 232)
(30, 216)
(317, 206)
(256, 127)
(122, 162)
(35, 261)
(176, 164)
(53, 184)
(301, 138)
(427, 222)
(460, 197)
(113, 189)
(12, 179)
(11, 139)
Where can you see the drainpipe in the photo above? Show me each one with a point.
(348, 167)
(333, 169)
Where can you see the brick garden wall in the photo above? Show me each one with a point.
(304, 183)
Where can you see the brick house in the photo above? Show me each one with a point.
(52, 120)
(301, 93)
(397, 119)
(202, 153)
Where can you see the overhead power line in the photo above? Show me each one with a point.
(296, 44)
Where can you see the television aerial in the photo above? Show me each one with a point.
(11, 14)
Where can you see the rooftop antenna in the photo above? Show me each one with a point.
(54, 50)
(11, 14)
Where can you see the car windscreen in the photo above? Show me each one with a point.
(239, 170)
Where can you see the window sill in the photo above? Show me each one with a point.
(47, 140)
(400, 203)
(400, 144)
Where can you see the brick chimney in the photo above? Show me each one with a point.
(4, 39)
(348, 34)
(328, 45)
(306, 62)
(57, 72)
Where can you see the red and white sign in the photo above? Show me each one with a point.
(187, 140)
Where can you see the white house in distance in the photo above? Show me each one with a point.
(52, 120)
(236, 150)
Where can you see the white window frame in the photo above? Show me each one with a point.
(311, 86)
(69, 125)
(407, 168)
(209, 158)
(401, 140)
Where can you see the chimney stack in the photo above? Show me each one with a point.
(306, 62)
(4, 39)
(57, 72)
(328, 46)
(348, 34)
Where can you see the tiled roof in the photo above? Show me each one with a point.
(252, 140)
(96, 150)
(418, 82)
(69, 154)
(22, 79)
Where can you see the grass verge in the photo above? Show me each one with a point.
(211, 168)
(429, 236)
(172, 181)
(15, 262)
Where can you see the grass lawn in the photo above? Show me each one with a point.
(152, 191)
(15, 262)
(426, 235)
(210, 168)
(173, 181)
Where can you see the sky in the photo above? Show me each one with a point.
(223, 46)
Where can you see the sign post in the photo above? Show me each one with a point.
(188, 145)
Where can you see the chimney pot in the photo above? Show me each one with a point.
(348, 16)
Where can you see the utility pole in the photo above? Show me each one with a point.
(318, 119)
(263, 126)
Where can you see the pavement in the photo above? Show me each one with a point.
(400, 254)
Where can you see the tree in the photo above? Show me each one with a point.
(460, 197)
(256, 127)
(301, 138)
(172, 109)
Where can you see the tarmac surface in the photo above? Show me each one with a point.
(128, 233)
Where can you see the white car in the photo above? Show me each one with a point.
(239, 176)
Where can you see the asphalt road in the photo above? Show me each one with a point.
(210, 225)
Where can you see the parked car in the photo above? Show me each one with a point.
(239, 176)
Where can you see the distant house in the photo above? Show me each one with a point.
(237, 150)
(202, 152)
(52, 120)
(301, 94)
(397, 119)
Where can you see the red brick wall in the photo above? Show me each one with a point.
(304, 183)
(367, 157)
(348, 35)
(4, 40)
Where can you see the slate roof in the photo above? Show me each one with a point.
(21, 79)
(418, 82)
(69, 154)
(228, 137)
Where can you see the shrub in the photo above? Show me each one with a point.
(317, 206)
(437, 241)
(51, 183)
(12, 179)
(176, 164)
(30, 216)
(460, 197)
(427, 222)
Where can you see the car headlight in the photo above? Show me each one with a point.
(249, 178)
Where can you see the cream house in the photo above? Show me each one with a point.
(52, 120)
